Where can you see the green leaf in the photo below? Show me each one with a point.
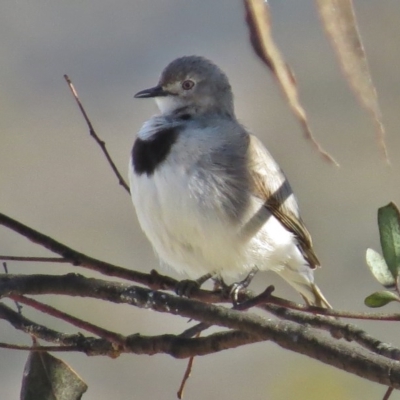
(49, 378)
(379, 268)
(389, 230)
(380, 299)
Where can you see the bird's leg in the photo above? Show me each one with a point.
(186, 286)
(219, 284)
(237, 287)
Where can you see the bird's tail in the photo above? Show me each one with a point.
(314, 297)
(303, 282)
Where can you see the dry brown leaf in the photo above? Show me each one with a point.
(258, 21)
(49, 378)
(340, 23)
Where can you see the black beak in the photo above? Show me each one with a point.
(156, 91)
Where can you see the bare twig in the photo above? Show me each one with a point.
(337, 329)
(19, 307)
(87, 326)
(388, 393)
(186, 375)
(194, 330)
(248, 303)
(24, 324)
(37, 348)
(287, 304)
(34, 259)
(138, 344)
(94, 135)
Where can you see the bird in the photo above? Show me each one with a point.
(207, 193)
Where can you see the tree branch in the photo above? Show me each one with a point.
(337, 329)
(94, 135)
(289, 335)
(167, 344)
(153, 280)
(157, 281)
(33, 259)
(112, 337)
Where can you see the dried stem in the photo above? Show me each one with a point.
(138, 344)
(388, 393)
(33, 259)
(186, 375)
(38, 348)
(87, 326)
(94, 135)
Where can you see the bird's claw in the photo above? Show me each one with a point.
(185, 287)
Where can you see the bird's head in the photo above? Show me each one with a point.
(192, 85)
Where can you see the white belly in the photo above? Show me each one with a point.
(193, 235)
(187, 233)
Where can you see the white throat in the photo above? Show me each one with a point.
(167, 104)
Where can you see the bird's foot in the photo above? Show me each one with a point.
(238, 287)
(233, 291)
(262, 298)
(185, 287)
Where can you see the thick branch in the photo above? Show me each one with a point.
(175, 346)
(287, 334)
(153, 280)
(337, 329)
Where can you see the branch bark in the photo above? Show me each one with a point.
(156, 281)
(287, 334)
(174, 345)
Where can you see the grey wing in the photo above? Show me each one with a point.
(222, 170)
(271, 185)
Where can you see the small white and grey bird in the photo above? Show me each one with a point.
(207, 193)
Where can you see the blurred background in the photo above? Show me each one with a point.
(54, 178)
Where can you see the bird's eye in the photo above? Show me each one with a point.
(187, 85)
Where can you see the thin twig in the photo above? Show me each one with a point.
(163, 344)
(196, 330)
(333, 313)
(87, 326)
(94, 135)
(37, 348)
(186, 375)
(19, 307)
(388, 393)
(337, 329)
(245, 305)
(34, 259)
(255, 301)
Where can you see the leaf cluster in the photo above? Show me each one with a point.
(386, 267)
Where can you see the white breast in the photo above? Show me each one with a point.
(181, 214)
(188, 232)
